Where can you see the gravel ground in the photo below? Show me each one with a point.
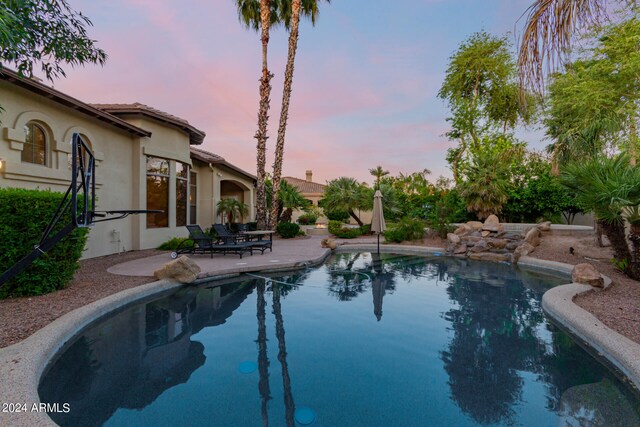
(20, 317)
(618, 306)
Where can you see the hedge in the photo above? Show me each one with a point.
(287, 230)
(24, 215)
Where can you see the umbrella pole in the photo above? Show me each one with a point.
(378, 243)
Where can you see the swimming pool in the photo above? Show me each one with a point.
(364, 340)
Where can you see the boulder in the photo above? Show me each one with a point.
(476, 225)
(471, 239)
(492, 223)
(485, 233)
(453, 238)
(182, 270)
(480, 246)
(544, 226)
(460, 249)
(524, 249)
(463, 230)
(533, 236)
(587, 274)
(488, 256)
(512, 245)
(328, 243)
(497, 243)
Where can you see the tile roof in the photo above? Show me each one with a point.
(196, 136)
(209, 157)
(39, 88)
(305, 187)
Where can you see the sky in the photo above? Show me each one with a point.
(364, 90)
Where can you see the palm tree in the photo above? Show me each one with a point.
(547, 35)
(290, 199)
(610, 187)
(484, 191)
(347, 194)
(259, 15)
(232, 208)
(378, 172)
(290, 15)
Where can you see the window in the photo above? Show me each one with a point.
(182, 186)
(157, 192)
(34, 149)
(193, 197)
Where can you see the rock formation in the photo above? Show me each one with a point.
(182, 270)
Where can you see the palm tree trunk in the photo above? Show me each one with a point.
(615, 234)
(289, 404)
(263, 118)
(263, 361)
(284, 112)
(354, 216)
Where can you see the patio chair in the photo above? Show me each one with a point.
(203, 244)
(227, 236)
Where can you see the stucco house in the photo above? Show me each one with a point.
(312, 191)
(145, 159)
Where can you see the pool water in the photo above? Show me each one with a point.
(364, 340)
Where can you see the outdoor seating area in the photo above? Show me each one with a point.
(201, 243)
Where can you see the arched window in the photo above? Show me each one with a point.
(35, 147)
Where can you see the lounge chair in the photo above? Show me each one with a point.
(223, 233)
(203, 244)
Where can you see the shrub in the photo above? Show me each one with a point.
(172, 244)
(347, 233)
(287, 230)
(406, 229)
(336, 215)
(334, 226)
(365, 229)
(307, 218)
(25, 215)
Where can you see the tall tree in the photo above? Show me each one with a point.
(378, 172)
(290, 11)
(481, 90)
(47, 32)
(347, 194)
(260, 16)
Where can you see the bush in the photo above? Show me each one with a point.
(334, 226)
(25, 215)
(406, 229)
(336, 215)
(347, 233)
(287, 230)
(307, 218)
(365, 229)
(172, 244)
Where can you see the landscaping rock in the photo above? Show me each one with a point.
(463, 229)
(488, 256)
(544, 226)
(453, 238)
(533, 236)
(587, 274)
(512, 245)
(485, 233)
(182, 270)
(476, 225)
(328, 243)
(460, 249)
(497, 243)
(524, 249)
(492, 223)
(480, 246)
(471, 239)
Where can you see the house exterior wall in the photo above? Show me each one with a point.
(110, 145)
(121, 167)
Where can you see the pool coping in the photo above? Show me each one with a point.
(22, 364)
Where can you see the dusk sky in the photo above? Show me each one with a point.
(365, 83)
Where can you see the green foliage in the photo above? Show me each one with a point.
(347, 233)
(334, 226)
(173, 244)
(287, 230)
(406, 229)
(232, 208)
(448, 208)
(25, 215)
(336, 215)
(347, 194)
(621, 265)
(307, 218)
(48, 32)
(365, 229)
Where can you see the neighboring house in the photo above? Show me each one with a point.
(145, 159)
(312, 191)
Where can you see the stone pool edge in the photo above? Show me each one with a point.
(22, 364)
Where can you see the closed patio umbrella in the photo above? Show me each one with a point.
(377, 222)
